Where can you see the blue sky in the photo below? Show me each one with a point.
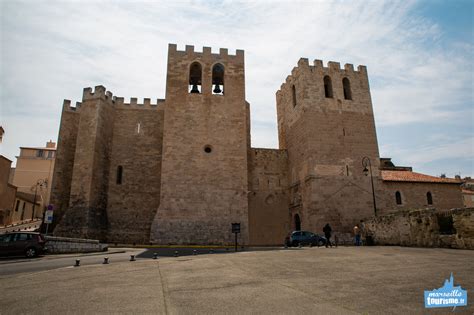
(419, 56)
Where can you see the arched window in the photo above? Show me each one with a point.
(293, 93)
(119, 175)
(327, 87)
(398, 198)
(195, 78)
(429, 198)
(346, 84)
(297, 222)
(218, 79)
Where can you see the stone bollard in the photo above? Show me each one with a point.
(194, 252)
(78, 263)
(176, 254)
(106, 260)
(286, 245)
(155, 255)
(132, 257)
(299, 245)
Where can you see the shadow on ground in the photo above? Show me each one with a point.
(189, 251)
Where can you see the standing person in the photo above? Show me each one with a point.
(327, 233)
(357, 235)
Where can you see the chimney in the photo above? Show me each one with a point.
(50, 144)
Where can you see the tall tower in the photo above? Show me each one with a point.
(204, 167)
(326, 123)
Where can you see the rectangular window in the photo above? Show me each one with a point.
(17, 205)
(50, 154)
(39, 153)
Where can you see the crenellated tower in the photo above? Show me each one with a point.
(204, 166)
(326, 123)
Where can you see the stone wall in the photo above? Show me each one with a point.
(204, 181)
(65, 245)
(268, 196)
(414, 196)
(326, 139)
(137, 148)
(86, 215)
(422, 228)
(62, 174)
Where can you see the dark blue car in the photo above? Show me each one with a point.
(296, 238)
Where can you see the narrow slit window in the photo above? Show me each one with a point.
(218, 79)
(195, 78)
(293, 92)
(429, 198)
(119, 174)
(347, 170)
(398, 198)
(327, 87)
(346, 84)
(138, 127)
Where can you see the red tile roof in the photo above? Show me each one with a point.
(407, 176)
(468, 192)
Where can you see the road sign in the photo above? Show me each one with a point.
(48, 216)
(50, 207)
(235, 227)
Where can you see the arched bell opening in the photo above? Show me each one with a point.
(195, 78)
(218, 79)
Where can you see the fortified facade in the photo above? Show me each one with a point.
(182, 170)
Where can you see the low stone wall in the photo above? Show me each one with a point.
(422, 228)
(63, 245)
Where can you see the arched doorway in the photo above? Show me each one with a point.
(297, 222)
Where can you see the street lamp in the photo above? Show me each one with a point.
(40, 182)
(365, 163)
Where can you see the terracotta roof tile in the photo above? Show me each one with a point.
(407, 176)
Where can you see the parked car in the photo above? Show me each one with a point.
(30, 244)
(296, 238)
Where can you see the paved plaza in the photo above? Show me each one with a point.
(344, 280)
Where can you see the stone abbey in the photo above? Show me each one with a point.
(182, 169)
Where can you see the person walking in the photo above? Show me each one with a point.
(357, 235)
(327, 233)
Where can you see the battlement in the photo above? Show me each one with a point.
(303, 67)
(100, 92)
(133, 103)
(67, 106)
(206, 52)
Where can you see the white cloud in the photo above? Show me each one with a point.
(51, 50)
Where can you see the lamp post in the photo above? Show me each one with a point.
(40, 182)
(365, 163)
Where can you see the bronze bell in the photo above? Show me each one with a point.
(217, 89)
(195, 89)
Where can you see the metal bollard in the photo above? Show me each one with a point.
(155, 255)
(211, 251)
(194, 252)
(78, 263)
(299, 245)
(175, 253)
(132, 257)
(106, 260)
